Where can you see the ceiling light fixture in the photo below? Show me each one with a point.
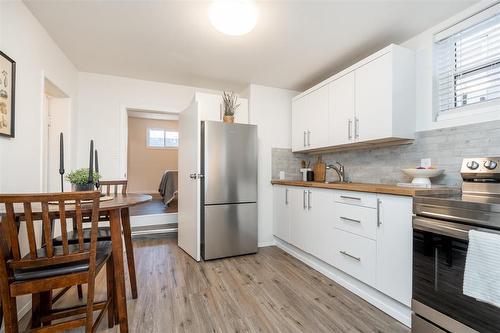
(233, 17)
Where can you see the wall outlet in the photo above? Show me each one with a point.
(425, 163)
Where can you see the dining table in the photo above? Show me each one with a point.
(116, 206)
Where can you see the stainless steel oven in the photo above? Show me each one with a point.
(441, 227)
(439, 253)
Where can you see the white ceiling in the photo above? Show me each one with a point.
(294, 45)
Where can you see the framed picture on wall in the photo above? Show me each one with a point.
(7, 95)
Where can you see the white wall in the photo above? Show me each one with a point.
(423, 44)
(24, 40)
(270, 109)
(102, 114)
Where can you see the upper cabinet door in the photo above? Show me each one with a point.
(317, 118)
(342, 107)
(299, 126)
(374, 92)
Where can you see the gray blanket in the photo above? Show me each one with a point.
(168, 186)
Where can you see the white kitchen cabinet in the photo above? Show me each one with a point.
(282, 213)
(320, 217)
(310, 120)
(341, 110)
(358, 220)
(299, 124)
(394, 247)
(370, 102)
(385, 89)
(301, 232)
(355, 255)
(317, 120)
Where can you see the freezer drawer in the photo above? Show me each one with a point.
(229, 230)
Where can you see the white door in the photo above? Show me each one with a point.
(374, 99)
(299, 119)
(317, 118)
(394, 247)
(341, 115)
(189, 181)
(282, 213)
(321, 222)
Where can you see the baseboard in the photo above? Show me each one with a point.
(268, 243)
(393, 308)
(153, 219)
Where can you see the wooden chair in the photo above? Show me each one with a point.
(111, 187)
(52, 267)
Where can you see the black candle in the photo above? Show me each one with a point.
(61, 154)
(91, 163)
(96, 162)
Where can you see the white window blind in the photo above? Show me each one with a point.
(467, 65)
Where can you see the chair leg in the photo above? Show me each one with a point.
(80, 291)
(129, 248)
(35, 311)
(45, 305)
(110, 288)
(89, 320)
(10, 314)
(1, 315)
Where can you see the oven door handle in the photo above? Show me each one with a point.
(445, 228)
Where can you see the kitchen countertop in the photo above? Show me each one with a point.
(371, 188)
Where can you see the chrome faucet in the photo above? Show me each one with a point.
(339, 169)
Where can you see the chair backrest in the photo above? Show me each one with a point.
(110, 187)
(31, 208)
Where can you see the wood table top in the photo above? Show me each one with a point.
(371, 188)
(119, 201)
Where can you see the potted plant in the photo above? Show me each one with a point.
(229, 101)
(79, 179)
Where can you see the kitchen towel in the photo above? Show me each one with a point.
(482, 267)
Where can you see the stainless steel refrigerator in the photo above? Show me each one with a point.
(229, 189)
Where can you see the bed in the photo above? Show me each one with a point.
(168, 186)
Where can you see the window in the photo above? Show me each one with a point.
(161, 138)
(467, 62)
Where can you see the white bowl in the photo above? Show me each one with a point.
(421, 176)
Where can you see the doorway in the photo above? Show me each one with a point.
(152, 164)
(56, 119)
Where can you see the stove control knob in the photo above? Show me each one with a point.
(473, 165)
(490, 165)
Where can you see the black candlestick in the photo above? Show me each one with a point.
(61, 160)
(97, 169)
(91, 163)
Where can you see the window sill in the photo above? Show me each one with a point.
(489, 109)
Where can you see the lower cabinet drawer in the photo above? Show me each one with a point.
(358, 220)
(355, 255)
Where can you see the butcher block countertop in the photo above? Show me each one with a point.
(371, 188)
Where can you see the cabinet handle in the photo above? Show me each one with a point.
(379, 203)
(304, 199)
(308, 138)
(349, 219)
(356, 127)
(309, 195)
(349, 129)
(286, 196)
(305, 138)
(348, 197)
(350, 255)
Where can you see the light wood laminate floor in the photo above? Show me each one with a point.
(267, 292)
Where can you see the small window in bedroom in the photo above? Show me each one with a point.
(467, 63)
(161, 138)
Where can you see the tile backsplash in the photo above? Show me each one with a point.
(446, 147)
